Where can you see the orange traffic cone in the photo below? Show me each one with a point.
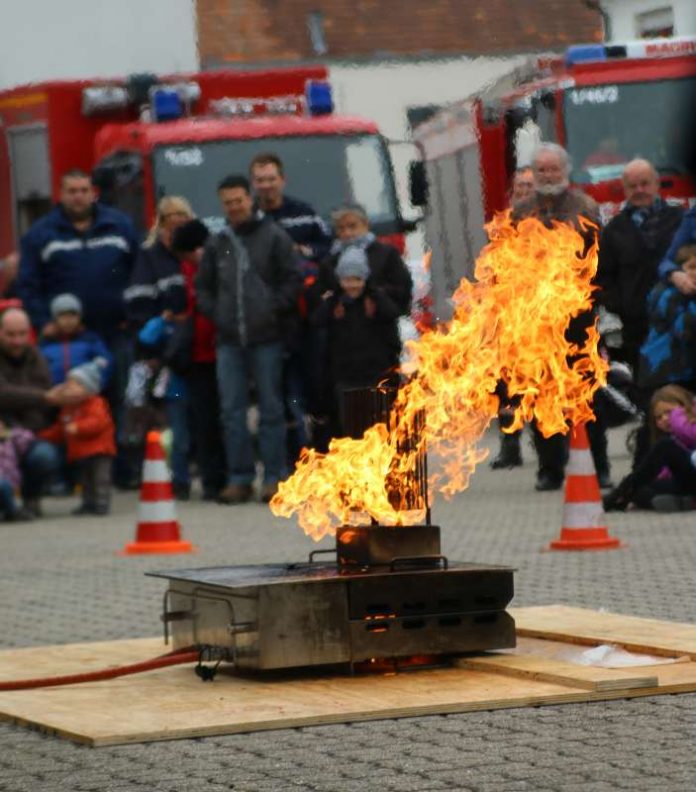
(158, 529)
(584, 523)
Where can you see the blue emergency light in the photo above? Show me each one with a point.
(318, 96)
(166, 104)
(584, 53)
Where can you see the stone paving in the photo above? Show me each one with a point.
(61, 582)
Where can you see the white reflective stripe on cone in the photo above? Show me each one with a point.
(156, 511)
(584, 515)
(580, 463)
(155, 470)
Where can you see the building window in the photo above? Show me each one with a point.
(315, 25)
(655, 24)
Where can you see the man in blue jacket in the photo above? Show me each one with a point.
(85, 248)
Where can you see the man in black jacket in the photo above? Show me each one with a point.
(631, 247)
(247, 284)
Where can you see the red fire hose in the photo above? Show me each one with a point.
(173, 658)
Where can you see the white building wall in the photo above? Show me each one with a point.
(624, 16)
(66, 39)
(383, 91)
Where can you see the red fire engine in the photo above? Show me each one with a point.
(148, 136)
(606, 104)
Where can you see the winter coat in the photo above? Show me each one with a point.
(95, 266)
(303, 225)
(362, 349)
(157, 285)
(628, 259)
(669, 351)
(248, 282)
(13, 447)
(95, 430)
(23, 384)
(387, 272)
(64, 353)
(566, 208)
(204, 335)
(682, 428)
(685, 235)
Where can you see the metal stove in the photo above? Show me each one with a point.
(389, 595)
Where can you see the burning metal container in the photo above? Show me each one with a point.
(390, 595)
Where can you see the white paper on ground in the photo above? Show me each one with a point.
(610, 656)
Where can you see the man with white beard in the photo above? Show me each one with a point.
(555, 199)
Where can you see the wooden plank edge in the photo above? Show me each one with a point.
(567, 680)
(579, 697)
(586, 640)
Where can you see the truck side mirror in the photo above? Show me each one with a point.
(418, 183)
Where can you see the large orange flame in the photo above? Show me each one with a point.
(508, 325)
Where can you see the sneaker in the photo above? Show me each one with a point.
(235, 493)
(268, 491)
(672, 503)
(546, 483)
(101, 510)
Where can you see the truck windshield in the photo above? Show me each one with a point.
(323, 170)
(609, 125)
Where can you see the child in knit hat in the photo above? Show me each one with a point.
(363, 334)
(66, 343)
(86, 428)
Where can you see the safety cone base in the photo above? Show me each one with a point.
(153, 548)
(585, 539)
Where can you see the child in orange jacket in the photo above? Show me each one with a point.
(86, 427)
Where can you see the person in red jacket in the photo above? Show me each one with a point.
(87, 430)
(188, 242)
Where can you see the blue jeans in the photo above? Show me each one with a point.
(177, 411)
(236, 368)
(40, 463)
(8, 504)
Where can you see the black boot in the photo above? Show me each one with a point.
(620, 497)
(509, 455)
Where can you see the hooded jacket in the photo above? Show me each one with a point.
(248, 282)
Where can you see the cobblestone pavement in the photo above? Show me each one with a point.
(61, 582)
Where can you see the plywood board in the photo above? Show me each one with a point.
(173, 703)
(579, 625)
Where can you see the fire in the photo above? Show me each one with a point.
(508, 325)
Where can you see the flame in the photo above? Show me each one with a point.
(508, 325)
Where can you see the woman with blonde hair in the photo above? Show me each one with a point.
(157, 284)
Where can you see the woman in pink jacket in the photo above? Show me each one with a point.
(666, 478)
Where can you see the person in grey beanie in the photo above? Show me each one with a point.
(363, 335)
(86, 428)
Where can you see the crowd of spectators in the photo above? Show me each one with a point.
(102, 338)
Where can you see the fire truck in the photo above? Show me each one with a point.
(605, 103)
(147, 136)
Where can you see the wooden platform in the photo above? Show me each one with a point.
(173, 703)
